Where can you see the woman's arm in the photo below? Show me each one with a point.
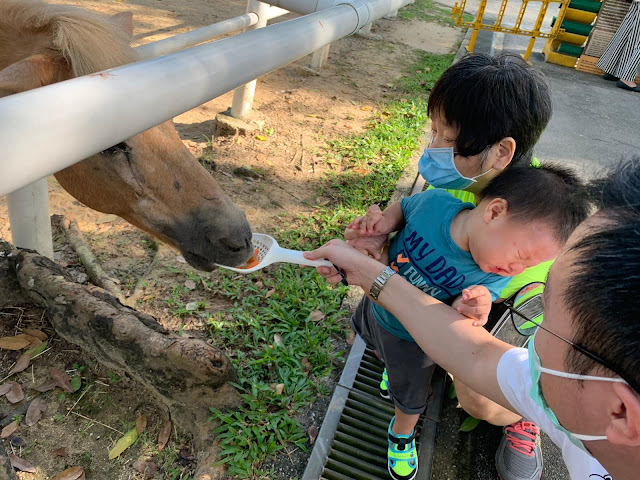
(451, 340)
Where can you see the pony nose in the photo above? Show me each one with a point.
(236, 244)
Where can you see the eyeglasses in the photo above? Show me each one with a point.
(527, 326)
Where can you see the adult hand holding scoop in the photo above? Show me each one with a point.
(267, 251)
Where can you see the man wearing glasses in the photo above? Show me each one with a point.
(579, 378)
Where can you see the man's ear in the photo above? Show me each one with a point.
(32, 72)
(505, 150)
(624, 427)
(494, 209)
(124, 21)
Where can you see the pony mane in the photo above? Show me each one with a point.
(88, 41)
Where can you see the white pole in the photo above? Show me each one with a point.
(194, 37)
(29, 218)
(243, 96)
(204, 34)
(319, 58)
(366, 30)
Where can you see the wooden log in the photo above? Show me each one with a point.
(185, 374)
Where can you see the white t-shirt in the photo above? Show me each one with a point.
(515, 382)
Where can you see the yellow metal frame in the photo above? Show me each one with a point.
(477, 25)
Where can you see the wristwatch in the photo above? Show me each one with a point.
(379, 282)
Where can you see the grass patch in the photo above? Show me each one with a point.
(430, 11)
(285, 330)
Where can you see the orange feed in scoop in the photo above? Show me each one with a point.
(253, 261)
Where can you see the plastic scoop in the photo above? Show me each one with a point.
(270, 252)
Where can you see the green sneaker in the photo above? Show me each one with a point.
(402, 457)
(384, 385)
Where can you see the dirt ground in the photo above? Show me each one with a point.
(299, 112)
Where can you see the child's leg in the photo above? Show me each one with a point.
(362, 322)
(409, 372)
(482, 408)
(404, 423)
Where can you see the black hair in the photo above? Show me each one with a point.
(489, 98)
(602, 296)
(549, 193)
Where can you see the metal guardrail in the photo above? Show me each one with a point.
(352, 444)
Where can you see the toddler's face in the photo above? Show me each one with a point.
(507, 246)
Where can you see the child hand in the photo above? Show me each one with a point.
(370, 224)
(475, 302)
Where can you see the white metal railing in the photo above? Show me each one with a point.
(205, 34)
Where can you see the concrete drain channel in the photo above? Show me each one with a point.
(352, 442)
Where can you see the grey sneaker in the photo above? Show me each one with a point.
(519, 456)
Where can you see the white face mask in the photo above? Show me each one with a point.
(536, 370)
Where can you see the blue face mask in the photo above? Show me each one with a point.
(438, 168)
(536, 370)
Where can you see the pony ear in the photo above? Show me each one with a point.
(124, 21)
(32, 72)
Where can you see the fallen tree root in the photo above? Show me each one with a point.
(97, 275)
(185, 374)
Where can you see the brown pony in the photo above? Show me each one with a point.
(151, 179)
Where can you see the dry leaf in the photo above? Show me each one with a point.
(46, 386)
(61, 379)
(307, 365)
(365, 109)
(9, 429)
(180, 259)
(4, 388)
(17, 342)
(316, 315)
(280, 388)
(145, 467)
(123, 443)
(141, 423)
(351, 337)
(15, 394)
(277, 339)
(313, 434)
(164, 435)
(190, 284)
(361, 171)
(37, 349)
(73, 473)
(269, 293)
(21, 464)
(34, 412)
(60, 452)
(23, 362)
(39, 334)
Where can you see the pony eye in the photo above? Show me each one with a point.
(121, 147)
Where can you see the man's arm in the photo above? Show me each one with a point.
(469, 353)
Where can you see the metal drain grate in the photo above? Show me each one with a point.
(354, 445)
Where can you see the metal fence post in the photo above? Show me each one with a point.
(29, 218)
(319, 58)
(243, 96)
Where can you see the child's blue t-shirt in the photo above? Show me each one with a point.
(424, 253)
